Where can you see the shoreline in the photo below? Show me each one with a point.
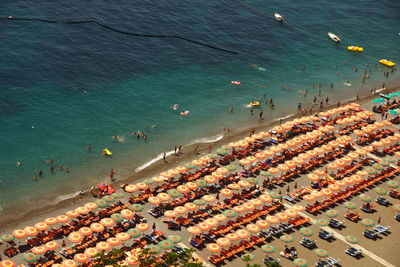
(155, 166)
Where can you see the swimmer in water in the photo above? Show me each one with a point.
(175, 106)
(347, 83)
(18, 163)
(185, 113)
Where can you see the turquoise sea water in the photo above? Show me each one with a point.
(133, 81)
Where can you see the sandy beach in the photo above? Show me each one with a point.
(384, 247)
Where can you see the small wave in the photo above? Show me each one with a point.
(380, 90)
(152, 161)
(161, 155)
(284, 117)
(67, 196)
(211, 139)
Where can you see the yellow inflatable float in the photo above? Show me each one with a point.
(255, 104)
(107, 152)
(355, 49)
(387, 63)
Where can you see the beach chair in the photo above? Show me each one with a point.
(334, 261)
(380, 229)
(371, 234)
(325, 235)
(310, 244)
(382, 201)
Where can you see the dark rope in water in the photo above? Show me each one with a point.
(122, 32)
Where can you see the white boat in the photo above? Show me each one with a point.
(278, 17)
(334, 37)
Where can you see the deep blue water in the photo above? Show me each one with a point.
(132, 81)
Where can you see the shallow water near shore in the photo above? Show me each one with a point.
(132, 82)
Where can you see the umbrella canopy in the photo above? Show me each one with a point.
(272, 219)
(103, 246)
(108, 198)
(175, 238)
(113, 241)
(154, 249)
(7, 238)
(199, 202)
(229, 213)
(213, 247)
(396, 207)
(300, 262)
(123, 236)
(142, 227)
(243, 234)
(350, 205)
(286, 238)
(306, 231)
(223, 242)
(248, 257)
(365, 198)
(30, 257)
(136, 207)
(378, 166)
(117, 217)
(367, 222)
(331, 213)
(321, 252)
(51, 245)
(351, 239)
(101, 203)
(391, 159)
(393, 184)
(91, 252)
(268, 248)
(7, 263)
(39, 250)
(69, 263)
(274, 195)
(80, 257)
(97, 227)
(119, 194)
(75, 237)
(380, 191)
(134, 232)
(174, 193)
(201, 183)
(232, 236)
(322, 222)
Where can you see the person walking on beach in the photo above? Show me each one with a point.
(251, 112)
(195, 149)
(112, 173)
(165, 157)
(327, 100)
(231, 109)
(261, 114)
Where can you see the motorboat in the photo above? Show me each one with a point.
(334, 37)
(278, 17)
